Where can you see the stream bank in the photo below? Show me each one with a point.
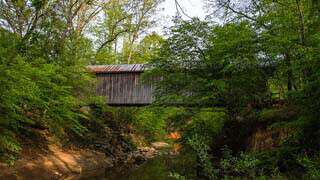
(61, 163)
(43, 157)
(58, 162)
(72, 163)
(164, 166)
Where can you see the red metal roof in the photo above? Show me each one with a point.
(119, 68)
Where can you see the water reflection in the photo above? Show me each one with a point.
(159, 168)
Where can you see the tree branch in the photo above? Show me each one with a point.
(112, 39)
(178, 6)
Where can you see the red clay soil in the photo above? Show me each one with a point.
(57, 163)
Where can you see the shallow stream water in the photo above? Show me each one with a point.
(159, 168)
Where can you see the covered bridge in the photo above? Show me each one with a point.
(122, 84)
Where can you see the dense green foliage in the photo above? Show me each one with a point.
(35, 92)
(153, 122)
(262, 67)
(45, 47)
(243, 92)
(43, 80)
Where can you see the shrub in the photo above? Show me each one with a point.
(153, 121)
(199, 146)
(207, 123)
(311, 166)
(38, 93)
(199, 135)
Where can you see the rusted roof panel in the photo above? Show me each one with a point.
(119, 68)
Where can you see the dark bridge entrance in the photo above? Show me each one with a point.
(122, 85)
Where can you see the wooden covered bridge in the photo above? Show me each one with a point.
(122, 84)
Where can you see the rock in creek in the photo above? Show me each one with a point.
(160, 145)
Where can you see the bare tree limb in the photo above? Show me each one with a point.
(179, 8)
(114, 37)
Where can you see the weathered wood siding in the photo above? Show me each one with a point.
(124, 88)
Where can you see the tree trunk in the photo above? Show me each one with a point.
(290, 78)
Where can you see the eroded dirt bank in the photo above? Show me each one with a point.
(44, 158)
(56, 163)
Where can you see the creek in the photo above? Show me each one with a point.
(162, 167)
